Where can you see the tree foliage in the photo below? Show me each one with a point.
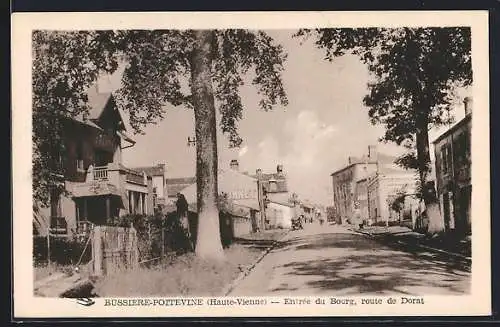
(157, 74)
(414, 70)
(64, 64)
(414, 74)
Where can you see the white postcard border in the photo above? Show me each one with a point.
(26, 305)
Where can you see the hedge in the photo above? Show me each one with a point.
(63, 251)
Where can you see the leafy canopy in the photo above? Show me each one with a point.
(157, 69)
(415, 72)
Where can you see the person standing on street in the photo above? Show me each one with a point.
(358, 222)
(182, 214)
(320, 217)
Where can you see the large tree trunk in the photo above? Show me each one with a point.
(208, 243)
(436, 223)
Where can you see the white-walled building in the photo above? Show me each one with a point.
(384, 186)
(157, 174)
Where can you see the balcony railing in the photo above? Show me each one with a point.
(101, 173)
(110, 173)
(84, 227)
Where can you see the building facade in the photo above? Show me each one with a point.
(361, 196)
(453, 173)
(98, 186)
(274, 185)
(279, 214)
(240, 192)
(277, 202)
(344, 182)
(157, 174)
(383, 187)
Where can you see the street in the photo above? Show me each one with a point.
(331, 260)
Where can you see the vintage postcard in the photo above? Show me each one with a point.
(254, 164)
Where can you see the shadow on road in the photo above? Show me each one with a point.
(360, 265)
(259, 245)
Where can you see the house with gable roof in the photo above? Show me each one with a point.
(157, 174)
(98, 185)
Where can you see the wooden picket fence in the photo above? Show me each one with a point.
(114, 249)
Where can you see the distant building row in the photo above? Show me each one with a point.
(376, 183)
(372, 182)
(99, 188)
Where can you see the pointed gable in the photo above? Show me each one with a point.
(104, 111)
(98, 101)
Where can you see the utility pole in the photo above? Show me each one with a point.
(260, 197)
(191, 141)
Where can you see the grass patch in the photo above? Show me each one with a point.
(41, 271)
(185, 275)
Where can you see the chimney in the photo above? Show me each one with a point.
(234, 165)
(372, 152)
(161, 166)
(279, 169)
(468, 105)
(351, 160)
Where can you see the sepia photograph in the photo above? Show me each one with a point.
(253, 168)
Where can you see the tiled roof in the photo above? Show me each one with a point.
(97, 102)
(380, 158)
(384, 158)
(453, 128)
(173, 189)
(175, 185)
(394, 169)
(280, 179)
(283, 203)
(158, 170)
(181, 180)
(267, 177)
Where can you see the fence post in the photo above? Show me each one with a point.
(135, 248)
(162, 241)
(97, 251)
(48, 248)
(150, 241)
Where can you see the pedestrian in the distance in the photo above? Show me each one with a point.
(320, 218)
(357, 216)
(182, 214)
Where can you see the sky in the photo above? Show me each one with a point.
(324, 123)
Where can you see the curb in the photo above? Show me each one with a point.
(228, 289)
(453, 254)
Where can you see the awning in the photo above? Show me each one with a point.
(95, 189)
(101, 189)
(248, 203)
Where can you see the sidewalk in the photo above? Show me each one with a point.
(405, 236)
